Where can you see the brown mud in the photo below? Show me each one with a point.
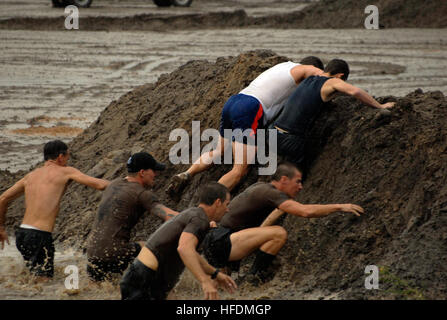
(56, 131)
(390, 162)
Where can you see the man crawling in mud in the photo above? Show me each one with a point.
(124, 202)
(43, 188)
(163, 258)
(305, 104)
(247, 225)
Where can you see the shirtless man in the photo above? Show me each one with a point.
(254, 107)
(245, 229)
(43, 188)
(160, 263)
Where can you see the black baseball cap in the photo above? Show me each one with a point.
(143, 161)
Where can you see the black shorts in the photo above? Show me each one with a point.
(140, 283)
(217, 247)
(291, 148)
(37, 249)
(100, 270)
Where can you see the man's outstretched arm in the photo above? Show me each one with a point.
(318, 210)
(359, 94)
(9, 195)
(76, 175)
(163, 212)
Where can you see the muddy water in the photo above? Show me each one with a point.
(16, 282)
(65, 79)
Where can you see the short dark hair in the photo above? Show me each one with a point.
(313, 61)
(338, 66)
(53, 149)
(287, 169)
(212, 191)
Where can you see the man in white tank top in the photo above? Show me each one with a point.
(252, 108)
(272, 94)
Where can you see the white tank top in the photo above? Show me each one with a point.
(272, 88)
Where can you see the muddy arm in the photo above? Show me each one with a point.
(361, 95)
(163, 212)
(272, 217)
(190, 257)
(318, 210)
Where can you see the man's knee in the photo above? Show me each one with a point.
(280, 234)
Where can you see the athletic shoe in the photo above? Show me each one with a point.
(178, 183)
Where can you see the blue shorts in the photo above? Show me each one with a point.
(241, 112)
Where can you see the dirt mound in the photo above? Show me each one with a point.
(393, 164)
(390, 162)
(324, 14)
(392, 14)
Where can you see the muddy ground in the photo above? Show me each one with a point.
(392, 164)
(144, 15)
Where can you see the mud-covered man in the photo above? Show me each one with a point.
(43, 188)
(247, 226)
(251, 109)
(124, 202)
(160, 263)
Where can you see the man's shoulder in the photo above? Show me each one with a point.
(67, 169)
(332, 81)
(257, 191)
(255, 188)
(122, 183)
(51, 170)
(257, 184)
(261, 185)
(194, 211)
(269, 189)
(195, 214)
